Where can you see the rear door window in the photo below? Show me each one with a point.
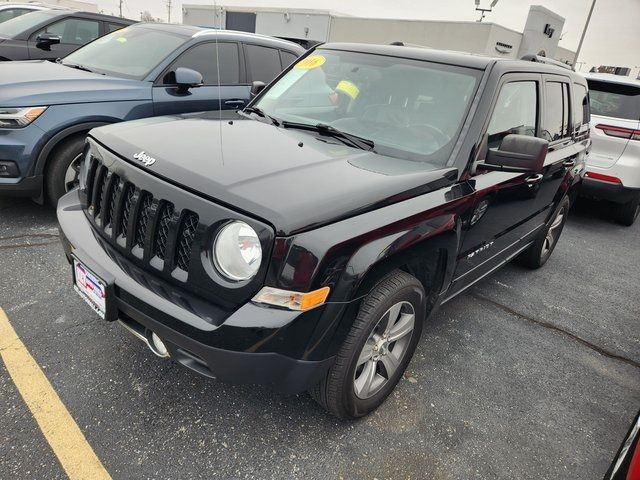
(555, 125)
(515, 112)
(263, 62)
(581, 112)
(614, 100)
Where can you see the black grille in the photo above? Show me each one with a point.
(143, 219)
(126, 210)
(115, 190)
(162, 235)
(186, 236)
(119, 207)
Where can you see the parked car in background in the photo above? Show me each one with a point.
(53, 33)
(47, 108)
(613, 166)
(13, 10)
(303, 244)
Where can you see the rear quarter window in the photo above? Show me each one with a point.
(614, 100)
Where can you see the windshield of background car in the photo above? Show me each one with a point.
(410, 109)
(17, 25)
(131, 52)
(616, 100)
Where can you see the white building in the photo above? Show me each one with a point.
(541, 34)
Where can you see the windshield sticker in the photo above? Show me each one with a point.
(121, 40)
(313, 61)
(345, 86)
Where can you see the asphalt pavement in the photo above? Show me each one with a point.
(529, 374)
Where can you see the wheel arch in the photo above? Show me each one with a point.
(58, 138)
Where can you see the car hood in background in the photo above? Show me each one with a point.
(39, 82)
(287, 177)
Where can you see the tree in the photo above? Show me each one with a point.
(146, 16)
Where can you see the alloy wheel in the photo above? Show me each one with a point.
(72, 174)
(553, 233)
(384, 350)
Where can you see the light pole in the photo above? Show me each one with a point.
(484, 10)
(584, 32)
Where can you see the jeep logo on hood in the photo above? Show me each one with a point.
(144, 158)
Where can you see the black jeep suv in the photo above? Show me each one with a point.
(304, 242)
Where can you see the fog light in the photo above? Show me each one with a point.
(158, 346)
(8, 169)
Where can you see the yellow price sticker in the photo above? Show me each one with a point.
(348, 88)
(313, 61)
(121, 40)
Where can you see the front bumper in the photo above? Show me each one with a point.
(236, 351)
(25, 187)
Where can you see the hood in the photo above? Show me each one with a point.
(34, 83)
(289, 178)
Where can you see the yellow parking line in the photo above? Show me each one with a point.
(65, 438)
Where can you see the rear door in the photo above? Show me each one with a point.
(74, 33)
(615, 112)
(227, 91)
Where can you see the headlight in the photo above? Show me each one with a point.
(19, 117)
(84, 166)
(237, 252)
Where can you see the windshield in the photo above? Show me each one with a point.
(17, 25)
(131, 52)
(410, 109)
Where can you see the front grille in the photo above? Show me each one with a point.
(142, 221)
(148, 228)
(186, 236)
(162, 235)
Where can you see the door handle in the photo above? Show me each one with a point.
(234, 102)
(569, 163)
(534, 179)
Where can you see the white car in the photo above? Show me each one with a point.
(613, 166)
(13, 10)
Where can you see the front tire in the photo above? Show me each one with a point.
(627, 213)
(377, 349)
(539, 252)
(61, 174)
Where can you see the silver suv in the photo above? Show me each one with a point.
(613, 166)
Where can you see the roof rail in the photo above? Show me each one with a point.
(549, 61)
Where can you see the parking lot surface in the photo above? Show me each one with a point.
(529, 374)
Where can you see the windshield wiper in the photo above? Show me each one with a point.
(77, 66)
(324, 129)
(258, 111)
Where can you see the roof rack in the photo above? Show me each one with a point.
(549, 61)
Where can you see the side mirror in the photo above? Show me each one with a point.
(45, 40)
(256, 87)
(187, 78)
(517, 153)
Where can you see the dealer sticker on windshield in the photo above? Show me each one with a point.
(312, 61)
(90, 288)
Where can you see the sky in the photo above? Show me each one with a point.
(613, 37)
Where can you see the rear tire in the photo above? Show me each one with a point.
(627, 213)
(539, 252)
(64, 162)
(377, 349)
